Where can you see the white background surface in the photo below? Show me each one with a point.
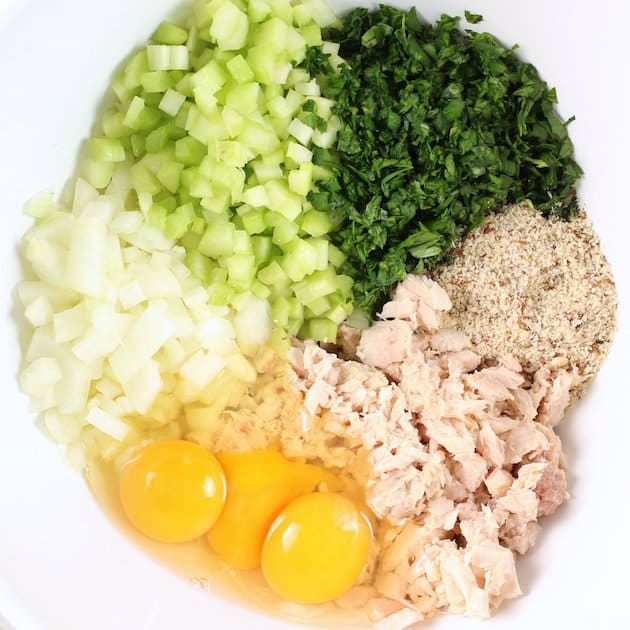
(62, 565)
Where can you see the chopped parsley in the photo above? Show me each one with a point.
(439, 127)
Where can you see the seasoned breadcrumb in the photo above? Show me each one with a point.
(534, 288)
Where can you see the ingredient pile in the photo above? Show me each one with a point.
(319, 299)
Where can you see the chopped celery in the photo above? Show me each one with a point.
(171, 102)
(300, 131)
(157, 140)
(229, 27)
(114, 126)
(156, 81)
(261, 246)
(241, 271)
(239, 69)
(189, 151)
(107, 150)
(316, 223)
(243, 98)
(169, 33)
(218, 239)
(273, 275)
(322, 330)
(211, 119)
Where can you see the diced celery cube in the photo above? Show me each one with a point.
(301, 180)
(143, 180)
(262, 60)
(298, 153)
(280, 311)
(258, 10)
(300, 131)
(200, 266)
(256, 196)
(241, 271)
(321, 247)
(254, 222)
(229, 27)
(316, 223)
(282, 200)
(243, 98)
(156, 81)
(189, 151)
(114, 125)
(335, 256)
(239, 69)
(218, 239)
(322, 330)
(99, 174)
(171, 102)
(170, 34)
(169, 175)
(107, 150)
(211, 78)
(261, 245)
(273, 275)
(300, 261)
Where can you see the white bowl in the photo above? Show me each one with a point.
(63, 565)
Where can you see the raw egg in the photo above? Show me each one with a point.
(173, 491)
(260, 484)
(316, 549)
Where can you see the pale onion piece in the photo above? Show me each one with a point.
(41, 205)
(74, 386)
(71, 390)
(103, 208)
(131, 295)
(197, 297)
(241, 368)
(69, 324)
(124, 404)
(147, 335)
(39, 312)
(201, 368)
(108, 388)
(174, 355)
(144, 387)
(149, 239)
(63, 428)
(181, 271)
(48, 261)
(253, 324)
(322, 14)
(85, 264)
(103, 337)
(217, 335)
(183, 326)
(108, 424)
(158, 282)
(113, 257)
(126, 222)
(83, 194)
(133, 255)
(161, 259)
(56, 228)
(39, 376)
(59, 298)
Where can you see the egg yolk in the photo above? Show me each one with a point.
(260, 484)
(173, 491)
(316, 548)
